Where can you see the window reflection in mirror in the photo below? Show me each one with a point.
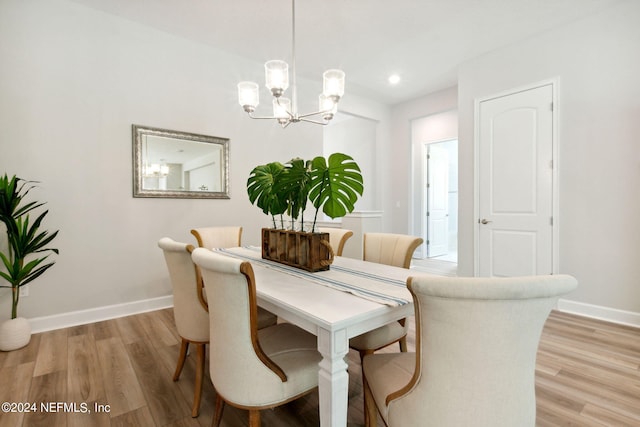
(179, 165)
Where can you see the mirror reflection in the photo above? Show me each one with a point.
(179, 165)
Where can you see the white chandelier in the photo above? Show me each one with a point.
(156, 169)
(285, 110)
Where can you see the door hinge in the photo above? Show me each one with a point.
(552, 106)
(551, 220)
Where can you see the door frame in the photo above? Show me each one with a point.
(554, 82)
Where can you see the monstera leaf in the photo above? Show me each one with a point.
(293, 184)
(261, 188)
(335, 184)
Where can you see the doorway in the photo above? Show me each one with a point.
(440, 212)
(437, 132)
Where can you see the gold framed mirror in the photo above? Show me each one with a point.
(173, 164)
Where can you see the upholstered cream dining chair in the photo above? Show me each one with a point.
(476, 345)
(218, 237)
(389, 249)
(229, 237)
(189, 310)
(337, 238)
(254, 369)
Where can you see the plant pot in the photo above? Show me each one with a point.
(308, 251)
(14, 334)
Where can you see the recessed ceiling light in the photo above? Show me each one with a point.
(394, 79)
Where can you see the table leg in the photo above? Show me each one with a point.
(333, 378)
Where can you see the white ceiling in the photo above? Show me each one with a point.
(422, 40)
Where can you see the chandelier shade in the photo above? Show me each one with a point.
(276, 76)
(285, 110)
(281, 109)
(327, 106)
(248, 95)
(333, 84)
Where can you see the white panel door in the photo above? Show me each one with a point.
(437, 201)
(516, 184)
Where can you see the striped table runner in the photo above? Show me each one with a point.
(372, 285)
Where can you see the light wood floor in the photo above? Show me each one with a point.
(588, 374)
(435, 266)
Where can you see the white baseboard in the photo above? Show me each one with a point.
(614, 315)
(98, 314)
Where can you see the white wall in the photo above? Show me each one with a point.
(356, 137)
(597, 65)
(72, 82)
(378, 196)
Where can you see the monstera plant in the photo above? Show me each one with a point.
(21, 258)
(332, 184)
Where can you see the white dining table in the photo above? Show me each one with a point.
(326, 305)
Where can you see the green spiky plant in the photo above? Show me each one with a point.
(332, 184)
(25, 241)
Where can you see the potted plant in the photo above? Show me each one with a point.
(20, 258)
(332, 184)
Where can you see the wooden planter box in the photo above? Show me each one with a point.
(308, 251)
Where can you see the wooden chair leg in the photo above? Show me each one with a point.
(367, 423)
(217, 415)
(254, 418)
(403, 344)
(403, 340)
(363, 353)
(200, 363)
(181, 359)
(370, 412)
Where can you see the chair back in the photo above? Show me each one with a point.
(192, 320)
(239, 369)
(390, 249)
(337, 238)
(218, 237)
(476, 345)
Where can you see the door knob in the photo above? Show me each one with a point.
(485, 221)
